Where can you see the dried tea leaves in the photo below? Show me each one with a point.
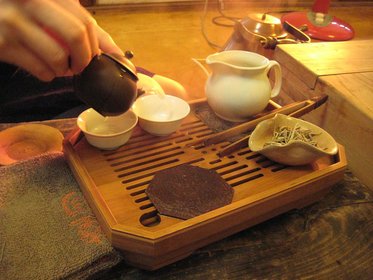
(186, 191)
(284, 134)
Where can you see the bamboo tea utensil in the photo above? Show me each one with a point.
(310, 105)
(247, 126)
(236, 145)
(204, 100)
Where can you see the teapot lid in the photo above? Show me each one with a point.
(124, 62)
(264, 25)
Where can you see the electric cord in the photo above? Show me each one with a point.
(204, 34)
(217, 20)
(223, 16)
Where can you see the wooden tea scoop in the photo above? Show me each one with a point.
(236, 145)
(244, 127)
(311, 104)
(247, 126)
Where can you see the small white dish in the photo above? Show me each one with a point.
(107, 133)
(292, 152)
(148, 85)
(160, 115)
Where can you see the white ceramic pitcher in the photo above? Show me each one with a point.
(238, 86)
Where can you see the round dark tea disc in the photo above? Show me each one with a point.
(186, 191)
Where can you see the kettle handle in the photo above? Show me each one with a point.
(278, 77)
(296, 32)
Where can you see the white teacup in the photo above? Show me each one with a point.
(160, 115)
(107, 133)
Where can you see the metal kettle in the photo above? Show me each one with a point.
(261, 33)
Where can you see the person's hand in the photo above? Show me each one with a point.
(106, 43)
(50, 38)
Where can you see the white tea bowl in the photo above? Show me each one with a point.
(160, 115)
(107, 133)
(291, 152)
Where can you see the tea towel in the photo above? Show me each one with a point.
(47, 230)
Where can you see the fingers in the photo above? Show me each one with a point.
(13, 52)
(106, 43)
(43, 36)
(70, 23)
(12, 49)
(25, 59)
(36, 41)
(73, 7)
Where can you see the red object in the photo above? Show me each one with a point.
(321, 6)
(320, 25)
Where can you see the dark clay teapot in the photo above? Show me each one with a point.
(108, 84)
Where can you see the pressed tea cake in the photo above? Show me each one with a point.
(186, 191)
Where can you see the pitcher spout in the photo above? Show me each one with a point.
(237, 59)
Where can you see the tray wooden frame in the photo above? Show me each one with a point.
(114, 183)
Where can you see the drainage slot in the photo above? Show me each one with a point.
(243, 174)
(234, 169)
(137, 193)
(139, 185)
(145, 169)
(246, 180)
(278, 168)
(253, 156)
(149, 161)
(139, 200)
(143, 207)
(215, 161)
(147, 155)
(225, 165)
(150, 219)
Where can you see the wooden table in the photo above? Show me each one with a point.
(344, 72)
(331, 239)
(165, 38)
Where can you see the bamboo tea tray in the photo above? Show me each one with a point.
(114, 183)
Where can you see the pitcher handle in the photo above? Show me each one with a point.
(278, 77)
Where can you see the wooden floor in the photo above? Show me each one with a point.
(165, 38)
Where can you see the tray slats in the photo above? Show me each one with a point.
(114, 183)
(122, 176)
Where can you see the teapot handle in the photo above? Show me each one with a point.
(278, 77)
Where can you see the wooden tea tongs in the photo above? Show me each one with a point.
(295, 109)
